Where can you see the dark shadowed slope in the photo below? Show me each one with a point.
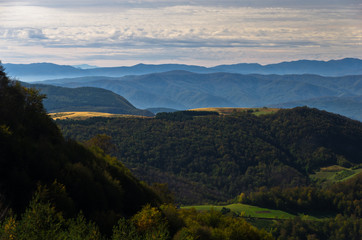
(33, 152)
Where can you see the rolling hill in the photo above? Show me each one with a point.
(214, 158)
(85, 99)
(347, 106)
(186, 90)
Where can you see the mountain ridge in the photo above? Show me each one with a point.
(42, 71)
(186, 90)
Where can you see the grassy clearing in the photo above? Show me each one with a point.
(251, 211)
(85, 115)
(228, 111)
(334, 174)
(333, 168)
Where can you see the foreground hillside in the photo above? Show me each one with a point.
(34, 155)
(215, 158)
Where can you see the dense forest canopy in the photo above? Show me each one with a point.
(226, 155)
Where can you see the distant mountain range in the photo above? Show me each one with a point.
(42, 71)
(177, 86)
(83, 99)
(185, 90)
(84, 66)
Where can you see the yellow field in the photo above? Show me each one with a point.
(85, 115)
(333, 168)
(229, 110)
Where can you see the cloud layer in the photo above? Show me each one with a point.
(201, 32)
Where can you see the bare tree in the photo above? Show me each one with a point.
(3, 207)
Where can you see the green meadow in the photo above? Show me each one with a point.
(245, 210)
(334, 174)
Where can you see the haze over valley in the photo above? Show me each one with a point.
(182, 87)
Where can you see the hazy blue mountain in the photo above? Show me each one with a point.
(61, 99)
(140, 69)
(184, 90)
(42, 71)
(347, 66)
(84, 66)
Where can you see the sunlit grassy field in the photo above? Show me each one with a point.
(228, 111)
(85, 115)
(335, 173)
(250, 211)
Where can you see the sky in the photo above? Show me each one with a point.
(204, 32)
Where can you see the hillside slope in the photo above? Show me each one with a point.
(347, 106)
(34, 153)
(213, 158)
(60, 99)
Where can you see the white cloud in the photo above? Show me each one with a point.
(163, 3)
(202, 32)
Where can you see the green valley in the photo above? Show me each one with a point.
(269, 165)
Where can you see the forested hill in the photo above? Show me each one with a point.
(62, 99)
(34, 155)
(213, 158)
(52, 188)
